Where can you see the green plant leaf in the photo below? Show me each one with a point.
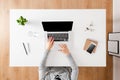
(18, 21)
(22, 20)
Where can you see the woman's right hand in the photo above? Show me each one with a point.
(50, 43)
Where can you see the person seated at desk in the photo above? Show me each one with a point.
(58, 73)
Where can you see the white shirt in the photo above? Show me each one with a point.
(43, 68)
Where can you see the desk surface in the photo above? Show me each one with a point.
(33, 33)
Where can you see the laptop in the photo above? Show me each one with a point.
(59, 30)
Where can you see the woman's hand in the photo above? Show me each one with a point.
(64, 49)
(50, 43)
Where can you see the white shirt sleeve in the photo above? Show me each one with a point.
(74, 74)
(42, 67)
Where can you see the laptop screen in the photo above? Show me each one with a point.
(57, 26)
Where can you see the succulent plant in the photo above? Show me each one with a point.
(21, 20)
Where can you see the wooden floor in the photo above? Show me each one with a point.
(31, 73)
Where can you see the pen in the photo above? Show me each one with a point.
(25, 49)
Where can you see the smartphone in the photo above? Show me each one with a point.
(91, 47)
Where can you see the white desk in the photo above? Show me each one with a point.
(81, 18)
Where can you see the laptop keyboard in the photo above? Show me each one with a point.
(58, 36)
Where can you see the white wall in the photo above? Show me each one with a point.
(116, 68)
(116, 28)
(116, 16)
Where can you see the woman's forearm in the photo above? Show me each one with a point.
(42, 67)
(71, 61)
(74, 74)
(43, 62)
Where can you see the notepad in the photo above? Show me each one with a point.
(87, 44)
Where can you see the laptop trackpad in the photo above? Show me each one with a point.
(56, 46)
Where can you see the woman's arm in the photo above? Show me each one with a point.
(42, 67)
(43, 61)
(74, 74)
(65, 50)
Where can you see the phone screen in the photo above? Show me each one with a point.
(91, 48)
